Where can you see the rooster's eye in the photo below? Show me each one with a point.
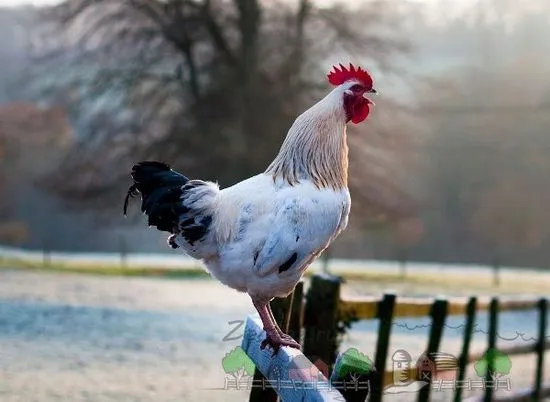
(357, 88)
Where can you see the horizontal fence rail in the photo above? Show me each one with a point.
(389, 307)
(276, 370)
(367, 307)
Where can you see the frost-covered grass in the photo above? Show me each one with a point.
(81, 338)
(427, 278)
(102, 269)
(429, 283)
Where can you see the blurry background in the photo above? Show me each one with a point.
(450, 168)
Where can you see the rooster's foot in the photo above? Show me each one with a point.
(275, 340)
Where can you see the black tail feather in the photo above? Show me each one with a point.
(132, 192)
(160, 189)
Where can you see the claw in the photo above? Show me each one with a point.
(275, 340)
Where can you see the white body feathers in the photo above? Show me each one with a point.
(258, 225)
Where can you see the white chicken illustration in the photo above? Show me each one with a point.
(259, 235)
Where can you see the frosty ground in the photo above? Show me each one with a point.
(67, 337)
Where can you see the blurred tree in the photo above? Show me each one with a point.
(209, 86)
(489, 145)
(11, 231)
(3, 197)
(30, 140)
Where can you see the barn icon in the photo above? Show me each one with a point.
(426, 368)
(437, 366)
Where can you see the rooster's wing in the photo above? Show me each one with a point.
(306, 221)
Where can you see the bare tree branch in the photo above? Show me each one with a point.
(211, 86)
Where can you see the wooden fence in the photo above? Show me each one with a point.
(277, 371)
(319, 318)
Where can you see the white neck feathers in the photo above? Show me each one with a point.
(315, 147)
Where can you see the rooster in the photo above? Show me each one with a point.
(259, 236)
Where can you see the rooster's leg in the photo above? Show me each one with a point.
(274, 335)
(277, 328)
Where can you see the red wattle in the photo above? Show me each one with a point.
(360, 112)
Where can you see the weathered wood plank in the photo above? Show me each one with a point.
(296, 321)
(468, 330)
(282, 370)
(367, 307)
(492, 343)
(541, 346)
(385, 310)
(439, 315)
(321, 319)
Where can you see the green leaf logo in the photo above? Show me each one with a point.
(501, 364)
(354, 363)
(237, 363)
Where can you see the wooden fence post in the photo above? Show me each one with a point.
(295, 320)
(492, 341)
(321, 319)
(463, 360)
(438, 314)
(385, 315)
(541, 344)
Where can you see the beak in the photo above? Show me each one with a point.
(370, 91)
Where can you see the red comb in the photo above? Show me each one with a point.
(339, 76)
